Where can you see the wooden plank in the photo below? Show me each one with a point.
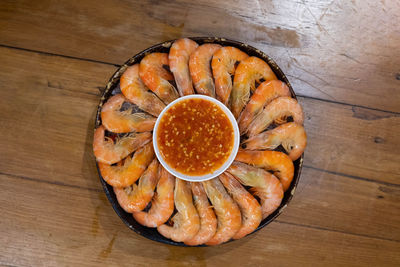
(54, 105)
(310, 40)
(324, 200)
(352, 140)
(70, 226)
(48, 106)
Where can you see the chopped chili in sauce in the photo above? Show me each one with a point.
(195, 137)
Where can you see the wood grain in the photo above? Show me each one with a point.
(341, 57)
(352, 140)
(49, 153)
(55, 122)
(78, 227)
(337, 203)
(312, 41)
(48, 110)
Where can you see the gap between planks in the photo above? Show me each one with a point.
(58, 55)
(49, 182)
(335, 231)
(351, 176)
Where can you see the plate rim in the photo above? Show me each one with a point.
(113, 82)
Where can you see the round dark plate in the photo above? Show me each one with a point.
(112, 87)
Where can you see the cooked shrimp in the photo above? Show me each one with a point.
(279, 107)
(200, 70)
(248, 205)
(208, 221)
(264, 94)
(227, 211)
(248, 72)
(290, 135)
(135, 91)
(136, 197)
(117, 121)
(223, 66)
(108, 152)
(278, 162)
(127, 172)
(178, 56)
(264, 185)
(162, 204)
(156, 77)
(186, 221)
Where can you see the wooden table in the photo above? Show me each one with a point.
(342, 57)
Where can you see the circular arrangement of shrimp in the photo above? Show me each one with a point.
(232, 205)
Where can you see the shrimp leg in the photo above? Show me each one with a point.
(156, 77)
(276, 161)
(248, 72)
(290, 135)
(130, 170)
(108, 152)
(208, 221)
(227, 211)
(178, 56)
(264, 185)
(162, 204)
(117, 121)
(223, 65)
(280, 107)
(249, 207)
(135, 91)
(200, 70)
(136, 197)
(186, 221)
(264, 94)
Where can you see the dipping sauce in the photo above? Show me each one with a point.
(195, 137)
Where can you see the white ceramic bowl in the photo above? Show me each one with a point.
(227, 163)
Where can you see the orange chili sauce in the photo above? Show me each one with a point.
(195, 137)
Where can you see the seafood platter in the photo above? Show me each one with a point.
(199, 141)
